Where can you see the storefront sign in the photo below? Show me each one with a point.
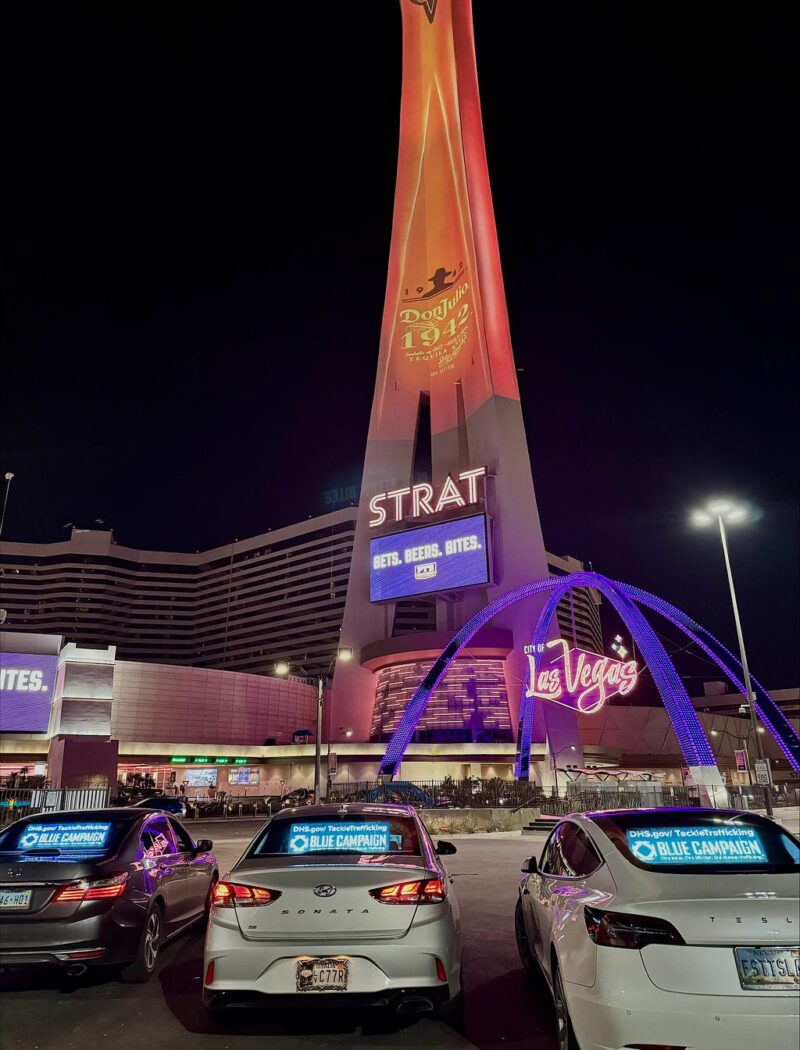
(26, 692)
(419, 501)
(575, 678)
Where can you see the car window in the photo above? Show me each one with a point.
(551, 862)
(348, 833)
(569, 852)
(41, 836)
(182, 837)
(157, 839)
(579, 855)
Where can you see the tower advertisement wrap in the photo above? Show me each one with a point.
(444, 363)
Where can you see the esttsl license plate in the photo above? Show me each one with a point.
(15, 900)
(322, 975)
(768, 969)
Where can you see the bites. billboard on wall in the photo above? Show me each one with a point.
(26, 692)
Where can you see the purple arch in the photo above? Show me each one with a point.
(688, 727)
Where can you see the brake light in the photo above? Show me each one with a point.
(96, 890)
(423, 891)
(615, 929)
(238, 895)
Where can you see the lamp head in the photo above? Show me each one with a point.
(731, 511)
(344, 653)
(282, 667)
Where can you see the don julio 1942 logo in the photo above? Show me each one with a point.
(434, 321)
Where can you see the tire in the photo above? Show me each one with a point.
(142, 967)
(523, 945)
(564, 1031)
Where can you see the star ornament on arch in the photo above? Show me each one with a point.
(429, 7)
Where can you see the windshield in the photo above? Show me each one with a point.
(685, 842)
(43, 837)
(345, 834)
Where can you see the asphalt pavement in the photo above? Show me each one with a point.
(503, 1009)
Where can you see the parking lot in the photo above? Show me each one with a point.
(503, 1009)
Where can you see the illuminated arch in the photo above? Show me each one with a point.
(688, 728)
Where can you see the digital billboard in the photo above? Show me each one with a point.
(26, 692)
(363, 837)
(717, 844)
(444, 557)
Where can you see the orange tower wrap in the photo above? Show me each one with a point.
(444, 343)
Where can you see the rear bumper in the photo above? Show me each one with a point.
(61, 943)
(404, 1000)
(624, 1007)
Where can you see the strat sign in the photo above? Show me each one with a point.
(417, 501)
(575, 678)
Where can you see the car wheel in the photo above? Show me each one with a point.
(523, 945)
(564, 1032)
(141, 969)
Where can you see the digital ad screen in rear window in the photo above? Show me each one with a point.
(66, 836)
(361, 837)
(709, 844)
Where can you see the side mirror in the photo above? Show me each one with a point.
(445, 849)
(204, 846)
(529, 866)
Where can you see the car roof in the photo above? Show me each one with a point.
(345, 809)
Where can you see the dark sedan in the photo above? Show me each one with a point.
(100, 887)
(167, 803)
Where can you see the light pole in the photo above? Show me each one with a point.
(727, 511)
(555, 754)
(8, 477)
(283, 667)
(342, 732)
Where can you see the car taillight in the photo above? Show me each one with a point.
(96, 890)
(616, 929)
(423, 891)
(237, 895)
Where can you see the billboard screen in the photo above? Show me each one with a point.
(26, 692)
(719, 844)
(444, 557)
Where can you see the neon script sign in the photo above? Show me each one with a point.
(416, 501)
(575, 678)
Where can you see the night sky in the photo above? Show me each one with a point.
(197, 219)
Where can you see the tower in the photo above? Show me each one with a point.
(448, 516)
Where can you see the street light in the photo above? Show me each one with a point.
(8, 478)
(729, 512)
(555, 754)
(283, 667)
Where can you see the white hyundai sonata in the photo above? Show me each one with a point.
(666, 929)
(337, 906)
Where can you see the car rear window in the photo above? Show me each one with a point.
(677, 841)
(338, 834)
(47, 837)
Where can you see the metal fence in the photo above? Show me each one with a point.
(22, 802)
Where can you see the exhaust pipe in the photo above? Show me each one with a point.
(76, 970)
(417, 1004)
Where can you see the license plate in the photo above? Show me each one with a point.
(768, 969)
(322, 975)
(15, 900)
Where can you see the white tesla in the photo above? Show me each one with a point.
(337, 905)
(666, 929)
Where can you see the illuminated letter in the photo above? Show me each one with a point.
(471, 478)
(630, 676)
(380, 512)
(397, 496)
(420, 495)
(448, 495)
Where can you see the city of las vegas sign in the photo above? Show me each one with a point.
(576, 678)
